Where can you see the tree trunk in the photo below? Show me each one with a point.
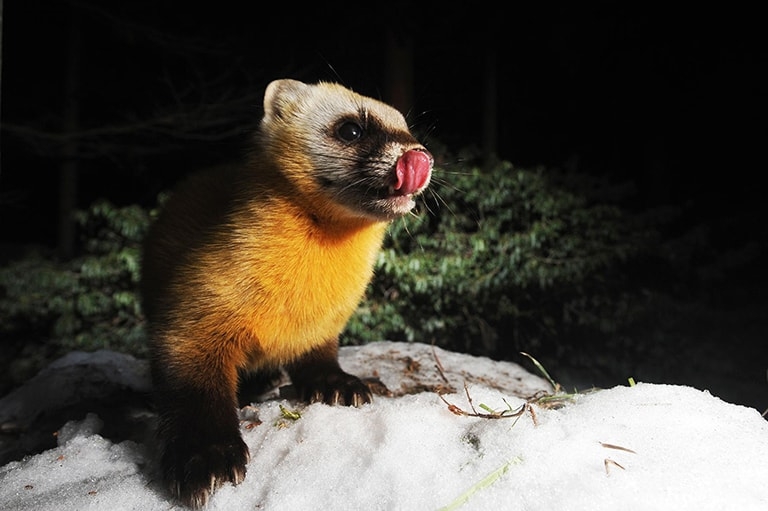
(490, 108)
(399, 72)
(1, 71)
(69, 169)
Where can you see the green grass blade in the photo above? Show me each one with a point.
(543, 371)
(485, 482)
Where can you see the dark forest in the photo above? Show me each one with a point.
(117, 101)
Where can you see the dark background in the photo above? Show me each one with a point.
(119, 99)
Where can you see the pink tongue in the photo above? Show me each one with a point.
(413, 170)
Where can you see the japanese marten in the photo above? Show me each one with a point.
(260, 267)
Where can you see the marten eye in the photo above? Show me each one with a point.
(349, 131)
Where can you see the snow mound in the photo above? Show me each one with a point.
(632, 448)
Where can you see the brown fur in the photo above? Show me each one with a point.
(261, 266)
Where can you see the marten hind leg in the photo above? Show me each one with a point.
(199, 427)
(317, 376)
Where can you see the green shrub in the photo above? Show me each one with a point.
(48, 308)
(505, 259)
(496, 262)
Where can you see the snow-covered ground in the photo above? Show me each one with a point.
(646, 446)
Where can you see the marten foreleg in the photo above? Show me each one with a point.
(199, 427)
(317, 376)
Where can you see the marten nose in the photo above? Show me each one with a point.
(413, 170)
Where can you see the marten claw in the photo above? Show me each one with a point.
(349, 391)
(194, 476)
(361, 400)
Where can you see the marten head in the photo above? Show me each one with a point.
(346, 153)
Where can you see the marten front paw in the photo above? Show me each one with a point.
(194, 470)
(335, 389)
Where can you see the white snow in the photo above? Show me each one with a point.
(642, 447)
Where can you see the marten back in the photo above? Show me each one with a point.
(189, 223)
(260, 266)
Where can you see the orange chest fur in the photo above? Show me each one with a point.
(290, 285)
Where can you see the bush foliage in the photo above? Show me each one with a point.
(497, 261)
(87, 303)
(506, 259)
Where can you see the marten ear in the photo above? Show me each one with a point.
(280, 94)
